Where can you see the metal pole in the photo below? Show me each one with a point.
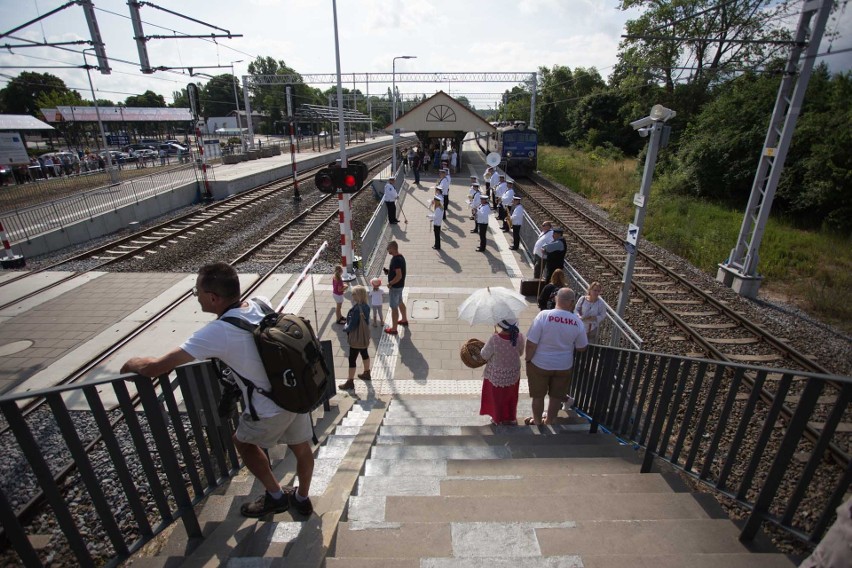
(344, 207)
(369, 106)
(393, 114)
(296, 195)
(656, 130)
(247, 106)
(236, 98)
(112, 175)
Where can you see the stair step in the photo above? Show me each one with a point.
(549, 508)
(406, 452)
(497, 485)
(598, 561)
(486, 430)
(508, 439)
(548, 466)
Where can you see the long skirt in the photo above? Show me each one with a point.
(500, 403)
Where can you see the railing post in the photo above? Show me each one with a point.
(660, 416)
(160, 434)
(782, 459)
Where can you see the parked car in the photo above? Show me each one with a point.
(173, 148)
(130, 148)
(144, 153)
(117, 157)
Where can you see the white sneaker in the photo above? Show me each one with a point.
(569, 402)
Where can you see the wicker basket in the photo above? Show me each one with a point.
(470, 353)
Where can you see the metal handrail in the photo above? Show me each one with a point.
(704, 419)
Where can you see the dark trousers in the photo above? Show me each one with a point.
(417, 175)
(516, 235)
(437, 229)
(483, 227)
(537, 267)
(446, 204)
(391, 205)
(501, 212)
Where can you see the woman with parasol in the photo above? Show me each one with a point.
(501, 378)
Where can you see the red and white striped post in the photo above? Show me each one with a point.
(12, 260)
(199, 141)
(345, 221)
(296, 195)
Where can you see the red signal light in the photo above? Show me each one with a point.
(349, 181)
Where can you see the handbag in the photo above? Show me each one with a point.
(359, 338)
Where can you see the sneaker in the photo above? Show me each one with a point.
(569, 402)
(348, 385)
(302, 507)
(365, 376)
(264, 505)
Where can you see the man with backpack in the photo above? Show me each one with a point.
(217, 288)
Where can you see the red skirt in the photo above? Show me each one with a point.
(500, 403)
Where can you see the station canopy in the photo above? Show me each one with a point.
(307, 113)
(19, 122)
(116, 114)
(441, 116)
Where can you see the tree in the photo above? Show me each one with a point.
(271, 99)
(703, 41)
(20, 94)
(148, 99)
(180, 99)
(217, 96)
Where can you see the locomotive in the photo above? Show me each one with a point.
(517, 145)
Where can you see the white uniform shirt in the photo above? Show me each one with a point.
(483, 213)
(508, 197)
(474, 198)
(518, 215)
(444, 184)
(543, 239)
(390, 192)
(438, 216)
(236, 348)
(500, 189)
(495, 180)
(556, 333)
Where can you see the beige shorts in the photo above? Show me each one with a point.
(284, 428)
(543, 382)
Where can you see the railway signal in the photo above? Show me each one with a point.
(340, 180)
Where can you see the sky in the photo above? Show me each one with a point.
(446, 36)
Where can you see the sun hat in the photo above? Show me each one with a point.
(376, 282)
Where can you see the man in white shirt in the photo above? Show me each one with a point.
(544, 238)
(444, 184)
(552, 339)
(517, 220)
(482, 215)
(389, 198)
(475, 194)
(495, 181)
(437, 217)
(498, 197)
(506, 202)
(217, 288)
(489, 171)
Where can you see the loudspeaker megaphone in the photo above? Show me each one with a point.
(492, 159)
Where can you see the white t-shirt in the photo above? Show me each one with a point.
(390, 192)
(556, 333)
(544, 239)
(236, 348)
(375, 295)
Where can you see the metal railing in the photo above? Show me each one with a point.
(23, 224)
(159, 457)
(374, 230)
(620, 334)
(715, 422)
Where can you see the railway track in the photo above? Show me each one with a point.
(172, 233)
(711, 328)
(286, 244)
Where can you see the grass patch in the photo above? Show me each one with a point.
(811, 270)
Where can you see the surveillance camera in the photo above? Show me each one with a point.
(643, 132)
(642, 123)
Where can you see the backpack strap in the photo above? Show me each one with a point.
(251, 328)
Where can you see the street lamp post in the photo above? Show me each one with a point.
(393, 106)
(236, 99)
(112, 175)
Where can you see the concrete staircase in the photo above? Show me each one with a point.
(442, 489)
(425, 482)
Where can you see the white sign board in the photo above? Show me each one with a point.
(638, 200)
(12, 150)
(632, 234)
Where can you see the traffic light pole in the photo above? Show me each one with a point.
(296, 195)
(344, 208)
